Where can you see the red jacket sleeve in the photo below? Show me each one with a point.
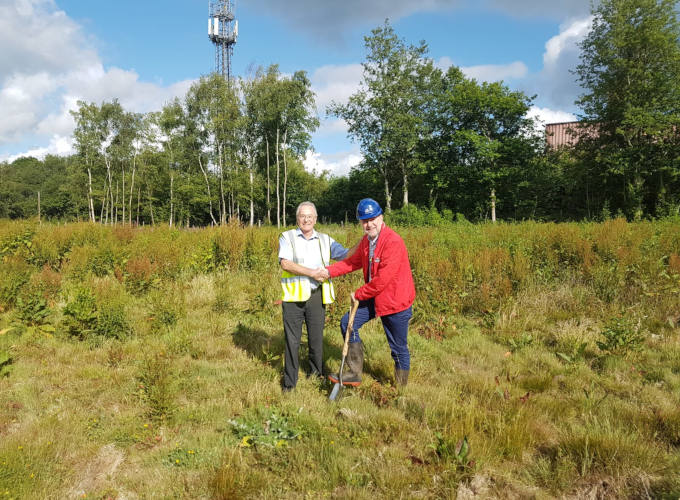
(386, 271)
(351, 263)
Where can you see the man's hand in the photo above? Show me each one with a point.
(321, 274)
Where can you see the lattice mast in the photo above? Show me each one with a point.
(222, 31)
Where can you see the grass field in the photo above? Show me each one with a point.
(146, 363)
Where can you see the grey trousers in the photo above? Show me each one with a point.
(313, 312)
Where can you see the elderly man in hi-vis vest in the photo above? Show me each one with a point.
(302, 251)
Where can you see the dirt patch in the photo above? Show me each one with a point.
(99, 473)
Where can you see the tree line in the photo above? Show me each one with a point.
(233, 150)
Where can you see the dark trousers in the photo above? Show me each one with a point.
(313, 312)
(395, 326)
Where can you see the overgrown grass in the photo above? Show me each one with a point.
(146, 363)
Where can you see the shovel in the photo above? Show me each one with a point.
(337, 388)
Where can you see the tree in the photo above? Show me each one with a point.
(480, 144)
(387, 115)
(630, 73)
(281, 110)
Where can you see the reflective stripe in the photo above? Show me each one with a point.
(327, 288)
(296, 288)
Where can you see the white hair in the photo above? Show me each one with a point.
(305, 204)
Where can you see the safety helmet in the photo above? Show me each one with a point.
(368, 208)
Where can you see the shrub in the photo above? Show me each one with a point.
(140, 274)
(112, 321)
(14, 274)
(157, 385)
(620, 335)
(80, 314)
(32, 309)
(411, 215)
(165, 307)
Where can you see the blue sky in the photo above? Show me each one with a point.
(145, 52)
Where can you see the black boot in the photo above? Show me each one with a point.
(400, 377)
(354, 366)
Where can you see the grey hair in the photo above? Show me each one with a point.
(305, 204)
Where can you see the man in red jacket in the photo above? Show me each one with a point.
(388, 292)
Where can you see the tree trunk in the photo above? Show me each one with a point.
(207, 185)
(90, 201)
(388, 195)
(172, 202)
(278, 189)
(493, 205)
(115, 207)
(151, 208)
(109, 201)
(132, 186)
(139, 201)
(405, 175)
(223, 203)
(285, 176)
(269, 215)
(104, 212)
(39, 221)
(252, 204)
(122, 193)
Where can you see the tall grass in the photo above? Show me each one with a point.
(146, 362)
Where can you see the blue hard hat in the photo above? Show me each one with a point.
(368, 208)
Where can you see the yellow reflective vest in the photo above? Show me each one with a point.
(298, 288)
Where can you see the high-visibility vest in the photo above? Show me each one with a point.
(297, 288)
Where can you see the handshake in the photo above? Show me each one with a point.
(320, 274)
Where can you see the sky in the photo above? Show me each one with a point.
(54, 53)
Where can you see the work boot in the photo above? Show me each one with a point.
(400, 377)
(354, 366)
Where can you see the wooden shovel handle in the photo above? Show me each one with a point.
(350, 325)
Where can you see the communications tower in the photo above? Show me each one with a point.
(222, 31)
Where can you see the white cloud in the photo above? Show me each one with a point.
(555, 84)
(565, 42)
(335, 83)
(546, 115)
(48, 64)
(59, 145)
(496, 72)
(337, 163)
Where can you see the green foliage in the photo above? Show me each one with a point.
(165, 307)
(621, 335)
(557, 415)
(14, 274)
(630, 104)
(411, 215)
(157, 384)
(266, 428)
(112, 321)
(459, 453)
(80, 314)
(32, 309)
(5, 362)
(575, 355)
(520, 342)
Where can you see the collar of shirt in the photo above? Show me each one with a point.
(298, 232)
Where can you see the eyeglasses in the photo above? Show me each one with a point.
(306, 217)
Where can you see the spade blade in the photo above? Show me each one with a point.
(335, 392)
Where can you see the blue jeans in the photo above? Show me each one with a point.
(395, 326)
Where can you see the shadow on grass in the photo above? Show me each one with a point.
(269, 348)
(260, 345)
